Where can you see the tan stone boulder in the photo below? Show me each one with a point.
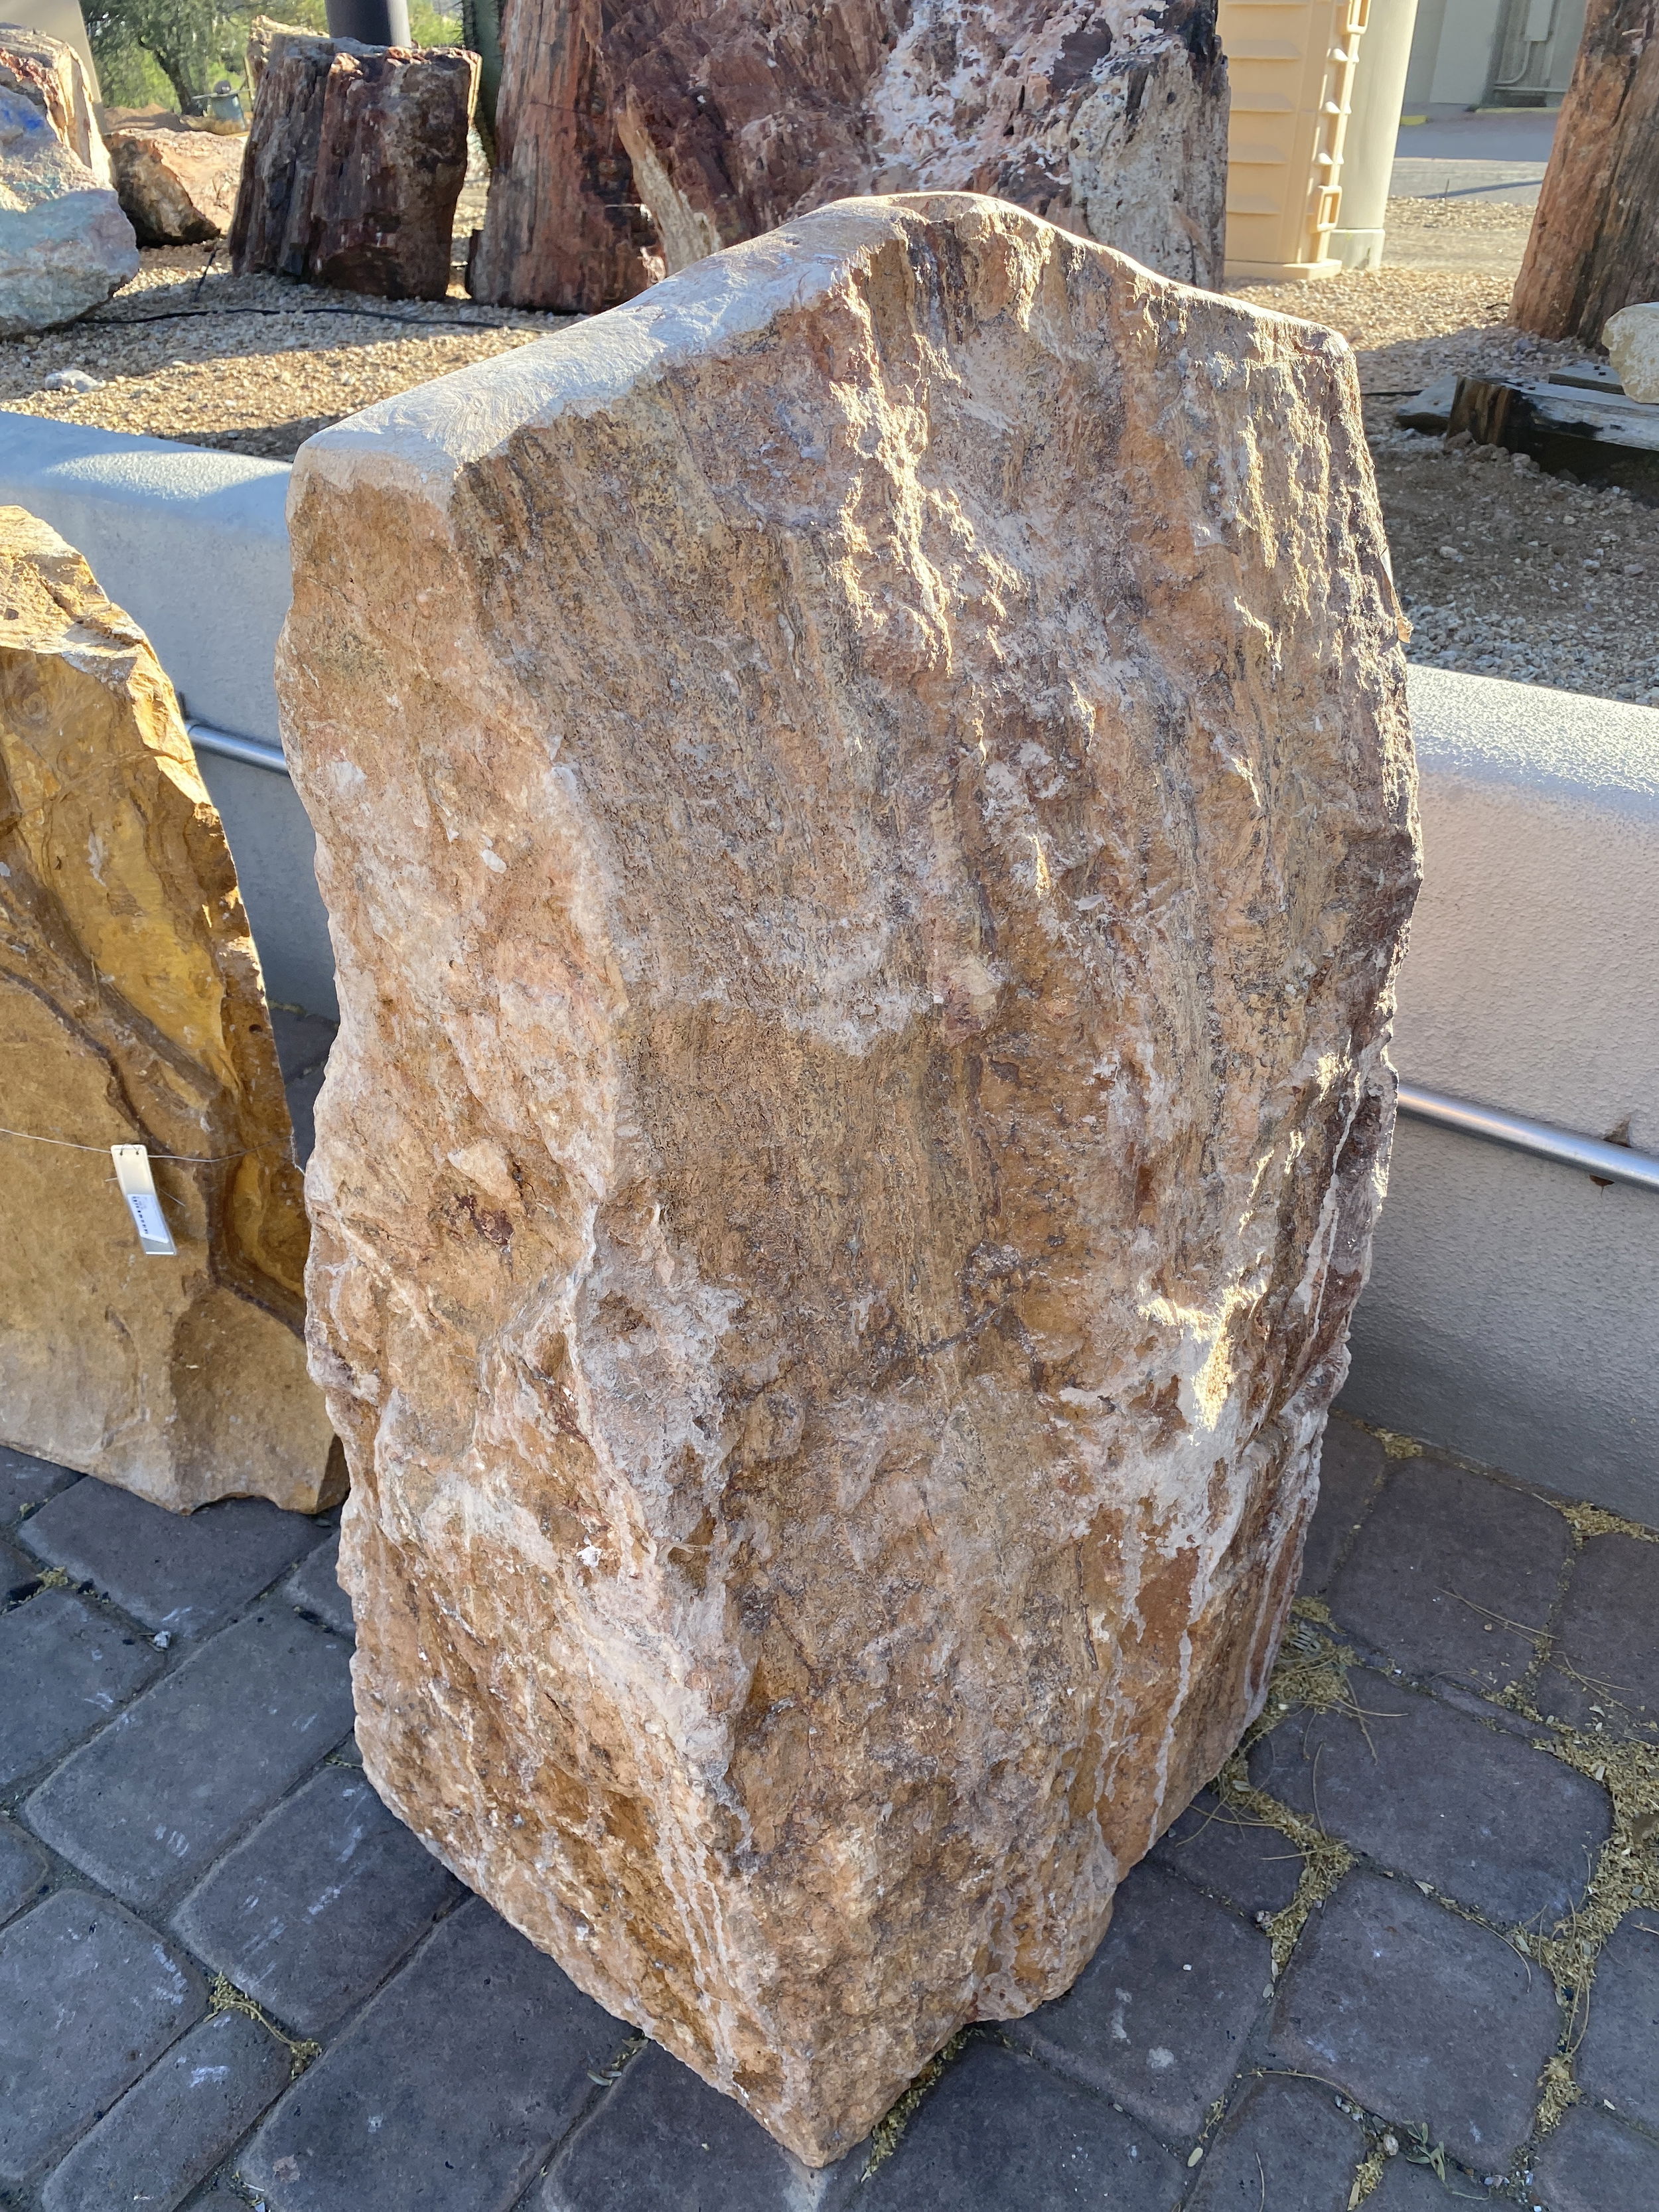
(866, 810)
(52, 76)
(1631, 338)
(632, 137)
(176, 185)
(133, 1012)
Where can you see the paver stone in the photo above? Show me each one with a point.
(65, 1669)
(1452, 1574)
(26, 1481)
(88, 1997)
(1619, 2055)
(1482, 1814)
(185, 1574)
(1158, 2017)
(447, 2092)
(23, 1870)
(999, 2131)
(1285, 2147)
(1605, 1657)
(317, 1906)
(314, 1588)
(172, 2126)
(1351, 1465)
(798, 1563)
(1418, 2014)
(663, 2141)
(190, 1763)
(1241, 1858)
(1592, 2163)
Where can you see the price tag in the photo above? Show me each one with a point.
(132, 1172)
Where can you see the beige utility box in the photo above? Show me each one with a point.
(1290, 63)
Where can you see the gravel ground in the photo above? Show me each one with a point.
(1502, 569)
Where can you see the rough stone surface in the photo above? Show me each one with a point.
(1631, 338)
(172, 2128)
(178, 187)
(52, 77)
(999, 2131)
(65, 1668)
(1285, 2148)
(853, 1141)
(64, 244)
(1496, 1825)
(1253, 1866)
(632, 138)
(315, 1909)
(174, 1777)
(1452, 1574)
(448, 2091)
(132, 1011)
(1618, 2056)
(1592, 2164)
(1604, 1661)
(181, 1577)
(1413, 2011)
(88, 1997)
(1158, 2018)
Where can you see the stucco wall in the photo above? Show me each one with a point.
(1513, 1310)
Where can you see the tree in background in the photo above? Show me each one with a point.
(148, 49)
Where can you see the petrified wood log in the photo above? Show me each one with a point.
(133, 1012)
(1593, 247)
(657, 132)
(356, 159)
(866, 810)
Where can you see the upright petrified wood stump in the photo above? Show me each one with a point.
(632, 136)
(356, 159)
(866, 809)
(133, 1012)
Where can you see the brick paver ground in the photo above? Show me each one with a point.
(1404, 1953)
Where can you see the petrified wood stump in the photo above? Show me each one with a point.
(133, 1012)
(356, 159)
(866, 810)
(629, 138)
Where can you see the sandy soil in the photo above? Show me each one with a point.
(1501, 569)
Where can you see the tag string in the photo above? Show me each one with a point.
(178, 1159)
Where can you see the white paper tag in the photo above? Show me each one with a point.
(132, 1172)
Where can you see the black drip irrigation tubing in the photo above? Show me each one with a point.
(299, 314)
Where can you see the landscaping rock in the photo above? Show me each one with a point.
(865, 804)
(52, 76)
(64, 244)
(1631, 338)
(178, 187)
(133, 1012)
(671, 128)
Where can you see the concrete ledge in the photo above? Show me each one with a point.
(193, 544)
(1511, 1309)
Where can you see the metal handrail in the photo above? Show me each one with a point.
(229, 747)
(1612, 1163)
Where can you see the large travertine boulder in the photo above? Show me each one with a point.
(176, 185)
(52, 76)
(133, 1012)
(64, 244)
(632, 138)
(1631, 338)
(867, 815)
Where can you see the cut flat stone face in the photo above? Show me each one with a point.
(132, 1011)
(865, 907)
